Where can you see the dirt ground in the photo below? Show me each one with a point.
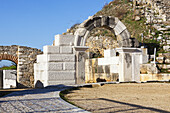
(127, 97)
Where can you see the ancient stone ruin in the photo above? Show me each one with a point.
(24, 57)
(64, 61)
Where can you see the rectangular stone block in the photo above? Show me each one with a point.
(69, 66)
(64, 40)
(114, 68)
(61, 75)
(66, 82)
(61, 58)
(66, 49)
(108, 61)
(42, 58)
(51, 49)
(109, 53)
(40, 66)
(119, 28)
(53, 66)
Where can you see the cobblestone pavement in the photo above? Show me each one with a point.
(37, 100)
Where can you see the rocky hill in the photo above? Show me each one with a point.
(147, 20)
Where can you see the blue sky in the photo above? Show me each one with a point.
(34, 23)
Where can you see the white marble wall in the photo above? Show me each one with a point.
(57, 63)
(9, 79)
(126, 63)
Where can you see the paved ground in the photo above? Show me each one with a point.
(37, 100)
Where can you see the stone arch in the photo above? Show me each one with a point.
(24, 57)
(108, 22)
(9, 57)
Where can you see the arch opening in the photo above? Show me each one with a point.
(9, 57)
(122, 36)
(8, 74)
(100, 39)
(108, 22)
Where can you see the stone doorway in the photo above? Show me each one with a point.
(93, 71)
(100, 40)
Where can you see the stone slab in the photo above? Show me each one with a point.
(64, 40)
(119, 28)
(42, 58)
(55, 66)
(61, 58)
(108, 61)
(9, 79)
(96, 85)
(114, 68)
(66, 49)
(51, 49)
(109, 53)
(65, 82)
(69, 66)
(40, 66)
(61, 75)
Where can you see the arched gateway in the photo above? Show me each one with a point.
(24, 57)
(64, 61)
(108, 22)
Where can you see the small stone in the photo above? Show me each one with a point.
(137, 18)
(96, 85)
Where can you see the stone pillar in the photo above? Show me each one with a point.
(80, 63)
(129, 64)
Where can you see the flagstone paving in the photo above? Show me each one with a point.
(37, 100)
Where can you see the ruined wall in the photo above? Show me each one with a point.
(24, 57)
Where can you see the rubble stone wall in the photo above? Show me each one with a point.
(24, 57)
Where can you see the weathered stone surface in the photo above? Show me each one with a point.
(137, 18)
(51, 49)
(113, 23)
(61, 58)
(66, 82)
(114, 68)
(81, 31)
(9, 79)
(96, 85)
(109, 53)
(61, 75)
(24, 57)
(52, 66)
(119, 28)
(66, 49)
(108, 61)
(64, 40)
(148, 69)
(42, 58)
(69, 66)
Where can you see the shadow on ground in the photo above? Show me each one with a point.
(119, 106)
(38, 90)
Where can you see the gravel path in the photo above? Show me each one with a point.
(37, 100)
